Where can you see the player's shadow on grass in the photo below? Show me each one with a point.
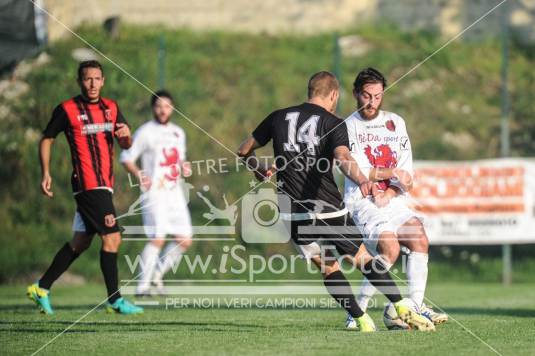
(519, 313)
(128, 325)
(28, 306)
(48, 331)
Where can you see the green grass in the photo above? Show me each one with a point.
(502, 317)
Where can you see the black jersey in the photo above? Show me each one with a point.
(304, 139)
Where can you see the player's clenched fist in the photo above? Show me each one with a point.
(122, 130)
(124, 137)
(263, 173)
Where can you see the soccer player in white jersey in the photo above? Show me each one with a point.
(161, 145)
(380, 144)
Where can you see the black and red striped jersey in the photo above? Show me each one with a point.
(89, 129)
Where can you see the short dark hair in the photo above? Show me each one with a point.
(162, 93)
(367, 76)
(89, 64)
(321, 84)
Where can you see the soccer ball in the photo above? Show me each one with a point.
(392, 320)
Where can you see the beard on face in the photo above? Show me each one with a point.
(364, 110)
(162, 119)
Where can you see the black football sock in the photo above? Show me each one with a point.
(108, 265)
(340, 289)
(378, 275)
(61, 262)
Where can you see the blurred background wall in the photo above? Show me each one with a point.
(307, 16)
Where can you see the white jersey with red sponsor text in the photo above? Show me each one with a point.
(379, 142)
(162, 150)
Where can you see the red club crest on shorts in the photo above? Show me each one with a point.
(109, 220)
(390, 125)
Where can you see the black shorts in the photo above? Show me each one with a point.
(339, 232)
(97, 212)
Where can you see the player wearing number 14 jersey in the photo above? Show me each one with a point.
(307, 139)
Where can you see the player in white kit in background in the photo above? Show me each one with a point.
(161, 146)
(380, 144)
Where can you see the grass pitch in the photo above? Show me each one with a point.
(504, 318)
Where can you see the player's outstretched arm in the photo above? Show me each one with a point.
(144, 180)
(247, 155)
(351, 169)
(44, 158)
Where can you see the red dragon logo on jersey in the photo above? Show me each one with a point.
(172, 159)
(382, 157)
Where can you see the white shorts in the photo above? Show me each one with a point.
(165, 212)
(372, 221)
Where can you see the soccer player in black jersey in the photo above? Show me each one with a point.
(307, 140)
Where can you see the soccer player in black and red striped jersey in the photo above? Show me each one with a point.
(90, 122)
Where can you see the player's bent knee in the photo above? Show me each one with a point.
(184, 241)
(111, 242)
(328, 269)
(362, 257)
(415, 237)
(158, 242)
(423, 243)
(389, 247)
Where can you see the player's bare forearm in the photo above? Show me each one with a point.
(123, 135)
(44, 158)
(44, 154)
(351, 170)
(247, 148)
(403, 178)
(132, 168)
(247, 155)
(378, 174)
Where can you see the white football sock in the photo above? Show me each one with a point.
(170, 259)
(149, 258)
(417, 276)
(366, 293)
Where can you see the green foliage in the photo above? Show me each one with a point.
(225, 84)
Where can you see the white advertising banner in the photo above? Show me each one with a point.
(484, 202)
